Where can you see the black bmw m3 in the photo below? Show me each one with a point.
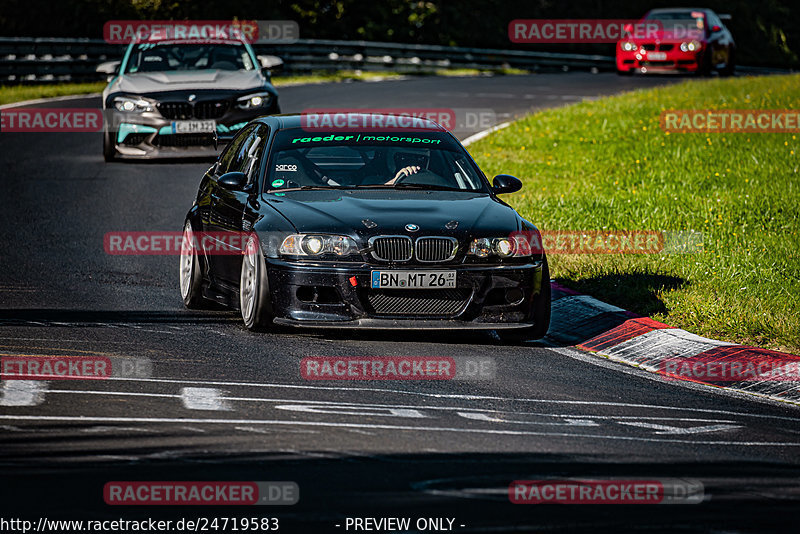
(369, 226)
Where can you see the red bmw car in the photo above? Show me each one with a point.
(678, 40)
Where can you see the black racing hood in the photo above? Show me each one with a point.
(387, 212)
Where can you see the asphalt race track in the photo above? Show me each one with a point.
(215, 402)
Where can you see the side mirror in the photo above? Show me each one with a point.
(109, 68)
(505, 183)
(235, 181)
(270, 62)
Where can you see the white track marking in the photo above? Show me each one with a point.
(341, 410)
(49, 99)
(566, 421)
(203, 399)
(480, 135)
(357, 405)
(22, 392)
(636, 369)
(672, 430)
(453, 396)
(277, 422)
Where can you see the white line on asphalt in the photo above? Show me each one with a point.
(22, 392)
(49, 99)
(178, 420)
(672, 430)
(628, 367)
(480, 135)
(203, 399)
(394, 406)
(357, 405)
(452, 396)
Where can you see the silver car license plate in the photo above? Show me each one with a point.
(182, 127)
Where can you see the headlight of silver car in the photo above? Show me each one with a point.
(253, 101)
(317, 245)
(132, 104)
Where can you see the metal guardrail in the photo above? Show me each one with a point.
(43, 59)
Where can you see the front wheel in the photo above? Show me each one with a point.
(254, 298)
(190, 276)
(730, 65)
(541, 315)
(109, 145)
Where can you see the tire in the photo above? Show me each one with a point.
(254, 298)
(541, 315)
(109, 146)
(190, 275)
(705, 67)
(730, 65)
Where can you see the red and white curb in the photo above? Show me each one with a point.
(592, 326)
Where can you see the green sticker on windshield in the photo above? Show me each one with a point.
(278, 183)
(280, 194)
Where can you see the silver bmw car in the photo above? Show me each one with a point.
(182, 98)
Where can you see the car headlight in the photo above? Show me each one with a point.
(629, 46)
(132, 104)
(516, 246)
(317, 245)
(253, 101)
(690, 46)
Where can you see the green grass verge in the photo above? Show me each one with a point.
(18, 93)
(607, 164)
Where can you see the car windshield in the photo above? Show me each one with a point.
(159, 57)
(679, 20)
(331, 160)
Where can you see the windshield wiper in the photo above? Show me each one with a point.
(401, 185)
(431, 187)
(310, 188)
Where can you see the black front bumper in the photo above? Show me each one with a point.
(486, 297)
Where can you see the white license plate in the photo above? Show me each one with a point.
(657, 56)
(413, 279)
(180, 127)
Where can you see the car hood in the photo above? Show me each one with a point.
(671, 36)
(154, 82)
(391, 210)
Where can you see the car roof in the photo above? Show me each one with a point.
(156, 41)
(678, 9)
(294, 120)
